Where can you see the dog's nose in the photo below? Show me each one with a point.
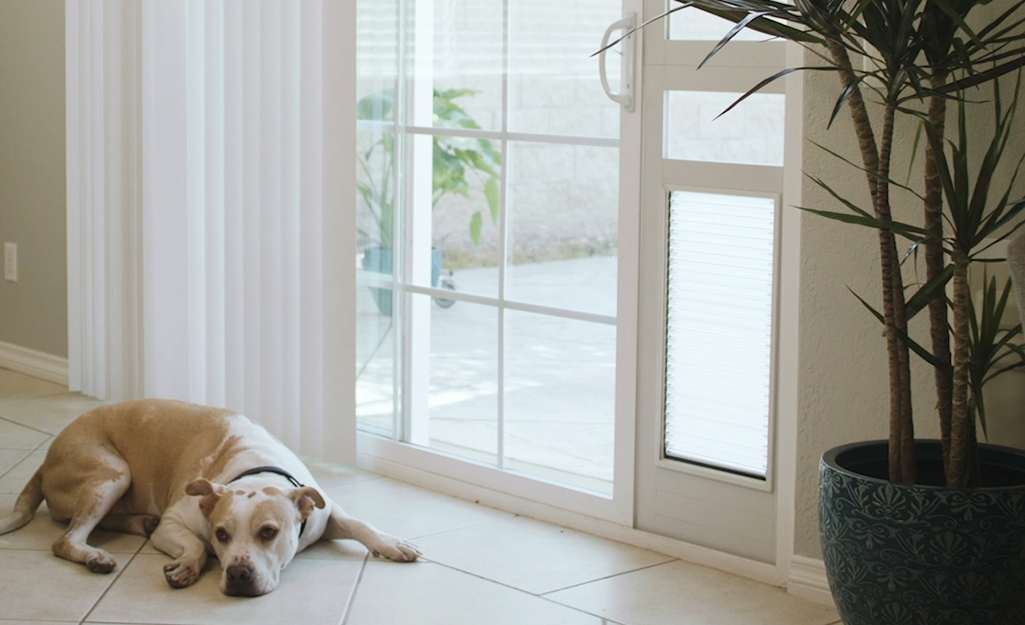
(240, 573)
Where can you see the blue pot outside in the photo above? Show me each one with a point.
(923, 554)
(380, 260)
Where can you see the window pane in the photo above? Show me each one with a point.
(563, 220)
(376, 362)
(467, 177)
(692, 24)
(553, 77)
(560, 399)
(467, 58)
(751, 133)
(463, 395)
(719, 330)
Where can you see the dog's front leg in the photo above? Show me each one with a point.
(341, 525)
(187, 549)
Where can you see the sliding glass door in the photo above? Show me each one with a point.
(491, 246)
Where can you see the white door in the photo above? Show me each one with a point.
(499, 191)
(711, 221)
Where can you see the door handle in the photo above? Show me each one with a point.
(625, 98)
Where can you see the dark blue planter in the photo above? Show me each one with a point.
(380, 260)
(923, 554)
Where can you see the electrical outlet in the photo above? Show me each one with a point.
(11, 262)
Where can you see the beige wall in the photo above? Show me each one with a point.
(33, 311)
(843, 386)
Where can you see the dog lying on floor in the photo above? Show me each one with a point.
(194, 479)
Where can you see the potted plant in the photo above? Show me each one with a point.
(929, 532)
(455, 162)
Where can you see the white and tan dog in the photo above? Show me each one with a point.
(194, 479)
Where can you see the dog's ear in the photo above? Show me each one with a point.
(306, 499)
(210, 493)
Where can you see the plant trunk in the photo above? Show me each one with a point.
(876, 161)
(934, 265)
(961, 471)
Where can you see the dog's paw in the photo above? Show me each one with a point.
(102, 562)
(396, 549)
(181, 574)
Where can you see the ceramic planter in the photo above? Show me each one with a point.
(923, 554)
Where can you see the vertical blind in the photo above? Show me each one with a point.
(719, 330)
(244, 169)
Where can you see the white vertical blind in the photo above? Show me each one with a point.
(245, 212)
(719, 330)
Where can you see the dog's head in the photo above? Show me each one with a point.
(253, 531)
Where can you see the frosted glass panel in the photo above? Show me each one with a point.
(751, 133)
(719, 330)
(695, 25)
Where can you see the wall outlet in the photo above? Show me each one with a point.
(11, 262)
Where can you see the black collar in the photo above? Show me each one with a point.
(278, 471)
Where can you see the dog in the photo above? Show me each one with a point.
(195, 480)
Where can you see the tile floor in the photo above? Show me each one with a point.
(481, 566)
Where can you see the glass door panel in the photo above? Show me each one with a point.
(497, 344)
(563, 215)
(568, 368)
(463, 395)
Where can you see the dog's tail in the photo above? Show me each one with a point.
(25, 508)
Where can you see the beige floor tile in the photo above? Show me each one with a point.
(409, 511)
(312, 592)
(688, 594)
(50, 415)
(17, 385)
(9, 458)
(429, 594)
(14, 480)
(533, 556)
(330, 475)
(17, 436)
(6, 622)
(42, 531)
(41, 587)
(333, 550)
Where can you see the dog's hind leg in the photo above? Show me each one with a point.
(94, 499)
(25, 507)
(138, 524)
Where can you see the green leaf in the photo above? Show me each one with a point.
(476, 223)
(492, 193)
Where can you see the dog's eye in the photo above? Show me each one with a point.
(268, 533)
(222, 535)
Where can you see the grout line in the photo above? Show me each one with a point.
(465, 527)
(109, 586)
(28, 427)
(355, 587)
(527, 592)
(614, 575)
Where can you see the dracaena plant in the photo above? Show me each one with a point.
(908, 52)
(458, 163)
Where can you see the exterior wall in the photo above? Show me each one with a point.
(33, 311)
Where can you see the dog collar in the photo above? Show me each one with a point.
(278, 471)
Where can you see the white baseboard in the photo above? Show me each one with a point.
(808, 580)
(758, 571)
(36, 364)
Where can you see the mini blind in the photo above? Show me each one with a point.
(719, 330)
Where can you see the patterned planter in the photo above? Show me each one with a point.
(923, 554)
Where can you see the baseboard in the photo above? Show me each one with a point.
(758, 571)
(36, 364)
(808, 580)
